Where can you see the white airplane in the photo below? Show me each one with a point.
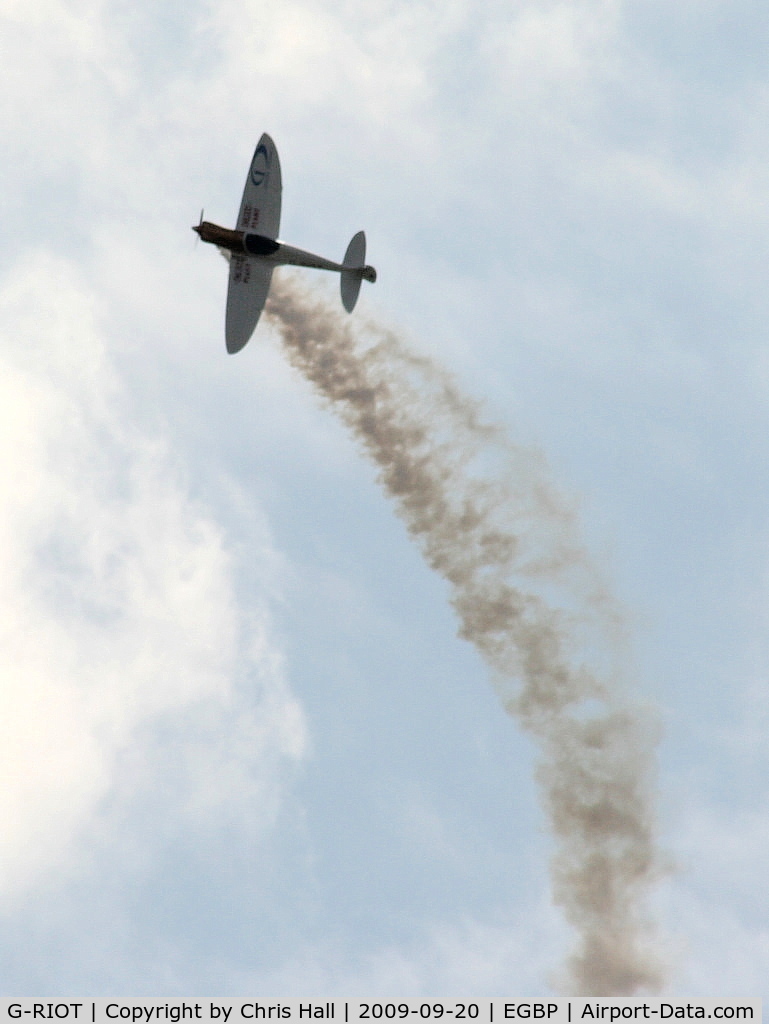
(254, 251)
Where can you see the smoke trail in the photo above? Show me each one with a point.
(484, 517)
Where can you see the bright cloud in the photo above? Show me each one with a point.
(119, 612)
(567, 197)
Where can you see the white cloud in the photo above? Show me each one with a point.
(119, 618)
(61, 70)
(717, 951)
(539, 181)
(465, 958)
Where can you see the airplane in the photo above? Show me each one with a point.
(253, 249)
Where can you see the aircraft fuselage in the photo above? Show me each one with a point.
(246, 243)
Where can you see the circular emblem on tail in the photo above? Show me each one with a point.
(260, 165)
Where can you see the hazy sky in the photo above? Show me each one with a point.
(244, 750)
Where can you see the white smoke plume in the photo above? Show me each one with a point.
(482, 513)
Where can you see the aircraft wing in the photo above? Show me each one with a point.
(246, 296)
(260, 205)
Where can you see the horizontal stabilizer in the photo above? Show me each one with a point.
(355, 259)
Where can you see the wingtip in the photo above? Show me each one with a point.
(235, 345)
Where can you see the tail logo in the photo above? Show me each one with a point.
(260, 165)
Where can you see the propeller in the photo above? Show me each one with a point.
(197, 227)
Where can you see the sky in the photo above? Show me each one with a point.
(245, 750)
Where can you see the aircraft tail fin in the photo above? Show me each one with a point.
(355, 270)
